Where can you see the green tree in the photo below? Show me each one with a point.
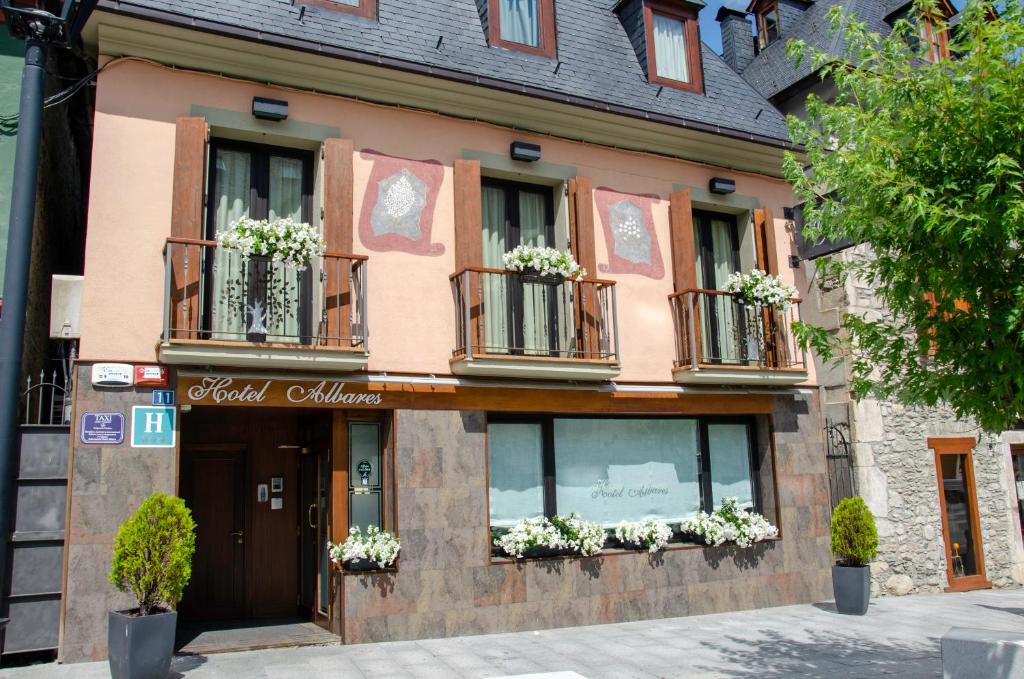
(923, 163)
(153, 552)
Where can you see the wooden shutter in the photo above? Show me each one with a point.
(469, 238)
(469, 229)
(684, 273)
(764, 239)
(187, 189)
(189, 174)
(337, 181)
(581, 223)
(684, 250)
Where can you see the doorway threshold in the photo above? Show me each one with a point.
(203, 638)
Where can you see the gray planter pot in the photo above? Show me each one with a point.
(851, 586)
(140, 647)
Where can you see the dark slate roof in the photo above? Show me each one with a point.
(772, 71)
(598, 63)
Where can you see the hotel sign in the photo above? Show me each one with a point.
(234, 391)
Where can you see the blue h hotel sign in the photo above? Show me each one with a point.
(152, 427)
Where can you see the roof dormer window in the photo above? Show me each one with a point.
(526, 25)
(768, 24)
(363, 8)
(673, 45)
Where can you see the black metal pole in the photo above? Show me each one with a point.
(15, 292)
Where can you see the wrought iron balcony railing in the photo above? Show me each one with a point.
(212, 294)
(714, 330)
(503, 313)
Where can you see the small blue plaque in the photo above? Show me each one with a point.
(163, 397)
(102, 428)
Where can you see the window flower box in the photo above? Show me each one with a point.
(542, 265)
(376, 550)
(649, 535)
(540, 537)
(729, 524)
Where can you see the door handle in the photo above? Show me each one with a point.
(309, 515)
(239, 534)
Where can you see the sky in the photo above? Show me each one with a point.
(709, 27)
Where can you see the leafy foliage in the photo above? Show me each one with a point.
(923, 164)
(854, 535)
(153, 552)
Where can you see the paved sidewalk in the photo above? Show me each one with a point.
(898, 637)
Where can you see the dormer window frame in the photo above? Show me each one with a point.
(546, 30)
(365, 8)
(762, 10)
(936, 40)
(687, 14)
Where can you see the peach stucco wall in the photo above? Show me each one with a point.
(411, 310)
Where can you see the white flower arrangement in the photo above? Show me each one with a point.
(545, 261)
(651, 534)
(377, 545)
(568, 533)
(291, 243)
(531, 534)
(757, 289)
(583, 536)
(730, 523)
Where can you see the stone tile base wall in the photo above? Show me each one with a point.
(108, 483)
(446, 585)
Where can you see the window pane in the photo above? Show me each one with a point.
(729, 448)
(520, 22)
(612, 470)
(232, 180)
(515, 453)
(670, 48)
(285, 188)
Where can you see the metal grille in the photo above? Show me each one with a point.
(45, 402)
(840, 463)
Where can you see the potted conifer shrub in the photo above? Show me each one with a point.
(153, 562)
(855, 545)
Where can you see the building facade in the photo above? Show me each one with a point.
(406, 379)
(948, 498)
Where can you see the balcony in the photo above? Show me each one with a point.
(220, 310)
(511, 325)
(720, 341)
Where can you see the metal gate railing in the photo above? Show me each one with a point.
(840, 462)
(47, 403)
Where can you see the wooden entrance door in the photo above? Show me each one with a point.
(965, 559)
(212, 486)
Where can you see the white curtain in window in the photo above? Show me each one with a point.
(670, 48)
(612, 470)
(495, 287)
(283, 287)
(520, 22)
(536, 297)
(231, 185)
(515, 465)
(729, 447)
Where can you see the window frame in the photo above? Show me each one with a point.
(550, 489)
(937, 41)
(688, 15)
(548, 34)
(761, 13)
(366, 8)
(259, 208)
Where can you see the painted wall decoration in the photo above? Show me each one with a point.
(628, 224)
(398, 208)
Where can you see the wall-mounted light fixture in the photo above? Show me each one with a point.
(269, 109)
(528, 153)
(722, 186)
